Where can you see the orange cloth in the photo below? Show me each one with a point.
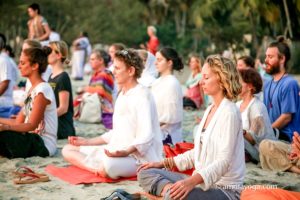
(269, 194)
(75, 175)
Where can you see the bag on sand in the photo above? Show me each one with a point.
(90, 108)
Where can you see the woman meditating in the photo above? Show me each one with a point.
(193, 97)
(256, 123)
(33, 132)
(218, 155)
(168, 95)
(135, 137)
(60, 82)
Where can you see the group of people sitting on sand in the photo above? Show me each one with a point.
(147, 112)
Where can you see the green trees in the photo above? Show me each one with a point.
(187, 25)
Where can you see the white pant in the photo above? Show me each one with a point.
(78, 60)
(114, 167)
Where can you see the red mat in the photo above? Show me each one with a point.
(75, 175)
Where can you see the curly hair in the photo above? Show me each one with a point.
(227, 74)
(131, 59)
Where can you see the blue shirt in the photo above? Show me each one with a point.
(281, 97)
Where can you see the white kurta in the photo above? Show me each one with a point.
(135, 123)
(221, 160)
(168, 97)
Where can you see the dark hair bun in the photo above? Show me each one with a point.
(171, 54)
(281, 39)
(47, 50)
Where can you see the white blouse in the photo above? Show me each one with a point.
(221, 160)
(168, 97)
(135, 123)
(256, 121)
(47, 128)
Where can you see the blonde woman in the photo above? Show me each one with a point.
(61, 85)
(193, 97)
(218, 155)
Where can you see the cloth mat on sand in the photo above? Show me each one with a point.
(75, 175)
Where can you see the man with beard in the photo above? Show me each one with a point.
(281, 94)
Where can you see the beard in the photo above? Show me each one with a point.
(273, 69)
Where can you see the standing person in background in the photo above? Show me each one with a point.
(81, 50)
(61, 85)
(194, 96)
(153, 43)
(38, 27)
(168, 96)
(281, 94)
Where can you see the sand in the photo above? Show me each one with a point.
(58, 189)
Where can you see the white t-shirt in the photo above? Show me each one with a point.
(47, 128)
(6, 73)
(169, 102)
(45, 77)
(54, 36)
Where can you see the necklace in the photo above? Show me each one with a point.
(269, 94)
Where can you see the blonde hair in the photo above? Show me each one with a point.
(198, 59)
(62, 48)
(228, 75)
(33, 43)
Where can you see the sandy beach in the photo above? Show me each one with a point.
(58, 189)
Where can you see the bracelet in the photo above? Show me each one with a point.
(244, 132)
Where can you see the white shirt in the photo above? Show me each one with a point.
(6, 73)
(256, 121)
(168, 97)
(47, 128)
(135, 123)
(54, 36)
(221, 160)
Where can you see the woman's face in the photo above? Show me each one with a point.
(112, 51)
(95, 62)
(162, 64)
(24, 66)
(241, 64)
(210, 82)
(121, 72)
(53, 57)
(246, 89)
(194, 63)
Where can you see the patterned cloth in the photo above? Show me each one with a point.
(102, 82)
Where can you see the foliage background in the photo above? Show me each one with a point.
(202, 26)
